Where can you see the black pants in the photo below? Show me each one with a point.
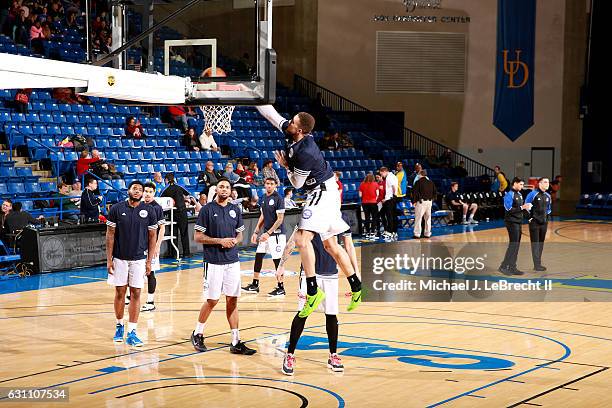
(371, 218)
(514, 235)
(537, 233)
(391, 215)
(180, 217)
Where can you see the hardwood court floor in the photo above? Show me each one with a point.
(396, 354)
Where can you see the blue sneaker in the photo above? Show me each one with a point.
(133, 340)
(118, 334)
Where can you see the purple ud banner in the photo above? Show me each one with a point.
(514, 79)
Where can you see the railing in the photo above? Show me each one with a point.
(59, 210)
(38, 143)
(412, 140)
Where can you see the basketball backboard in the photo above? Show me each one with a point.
(191, 36)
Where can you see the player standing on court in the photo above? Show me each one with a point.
(273, 239)
(327, 280)
(149, 198)
(321, 214)
(219, 229)
(130, 245)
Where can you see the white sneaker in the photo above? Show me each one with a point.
(464, 222)
(473, 221)
(147, 307)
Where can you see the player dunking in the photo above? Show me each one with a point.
(321, 215)
(273, 239)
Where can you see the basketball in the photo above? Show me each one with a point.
(218, 73)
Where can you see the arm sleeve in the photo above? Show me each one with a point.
(508, 198)
(239, 223)
(268, 112)
(280, 205)
(202, 222)
(111, 220)
(549, 206)
(530, 197)
(298, 177)
(160, 216)
(152, 220)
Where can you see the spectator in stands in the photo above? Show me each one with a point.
(236, 200)
(500, 183)
(254, 170)
(66, 203)
(345, 141)
(103, 170)
(191, 141)
(46, 30)
(22, 97)
(5, 6)
(241, 185)
(456, 204)
(134, 129)
(251, 205)
(90, 203)
(56, 10)
(159, 183)
(178, 194)
(389, 203)
(84, 162)
(446, 159)
(337, 176)
(244, 173)
(229, 173)
(178, 114)
(330, 140)
(37, 37)
(431, 159)
(209, 176)
(207, 141)
(460, 170)
(17, 220)
(402, 181)
(7, 206)
(20, 26)
(75, 191)
(289, 203)
(423, 194)
(415, 175)
(269, 172)
(368, 193)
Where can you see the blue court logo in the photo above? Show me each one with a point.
(306, 214)
(427, 358)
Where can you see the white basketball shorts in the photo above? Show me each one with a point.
(274, 245)
(322, 214)
(221, 279)
(329, 285)
(130, 273)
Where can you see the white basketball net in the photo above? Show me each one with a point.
(218, 118)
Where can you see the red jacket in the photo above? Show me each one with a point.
(83, 165)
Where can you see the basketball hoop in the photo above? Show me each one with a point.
(218, 118)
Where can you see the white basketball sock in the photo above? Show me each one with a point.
(235, 337)
(131, 326)
(150, 297)
(199, 328)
